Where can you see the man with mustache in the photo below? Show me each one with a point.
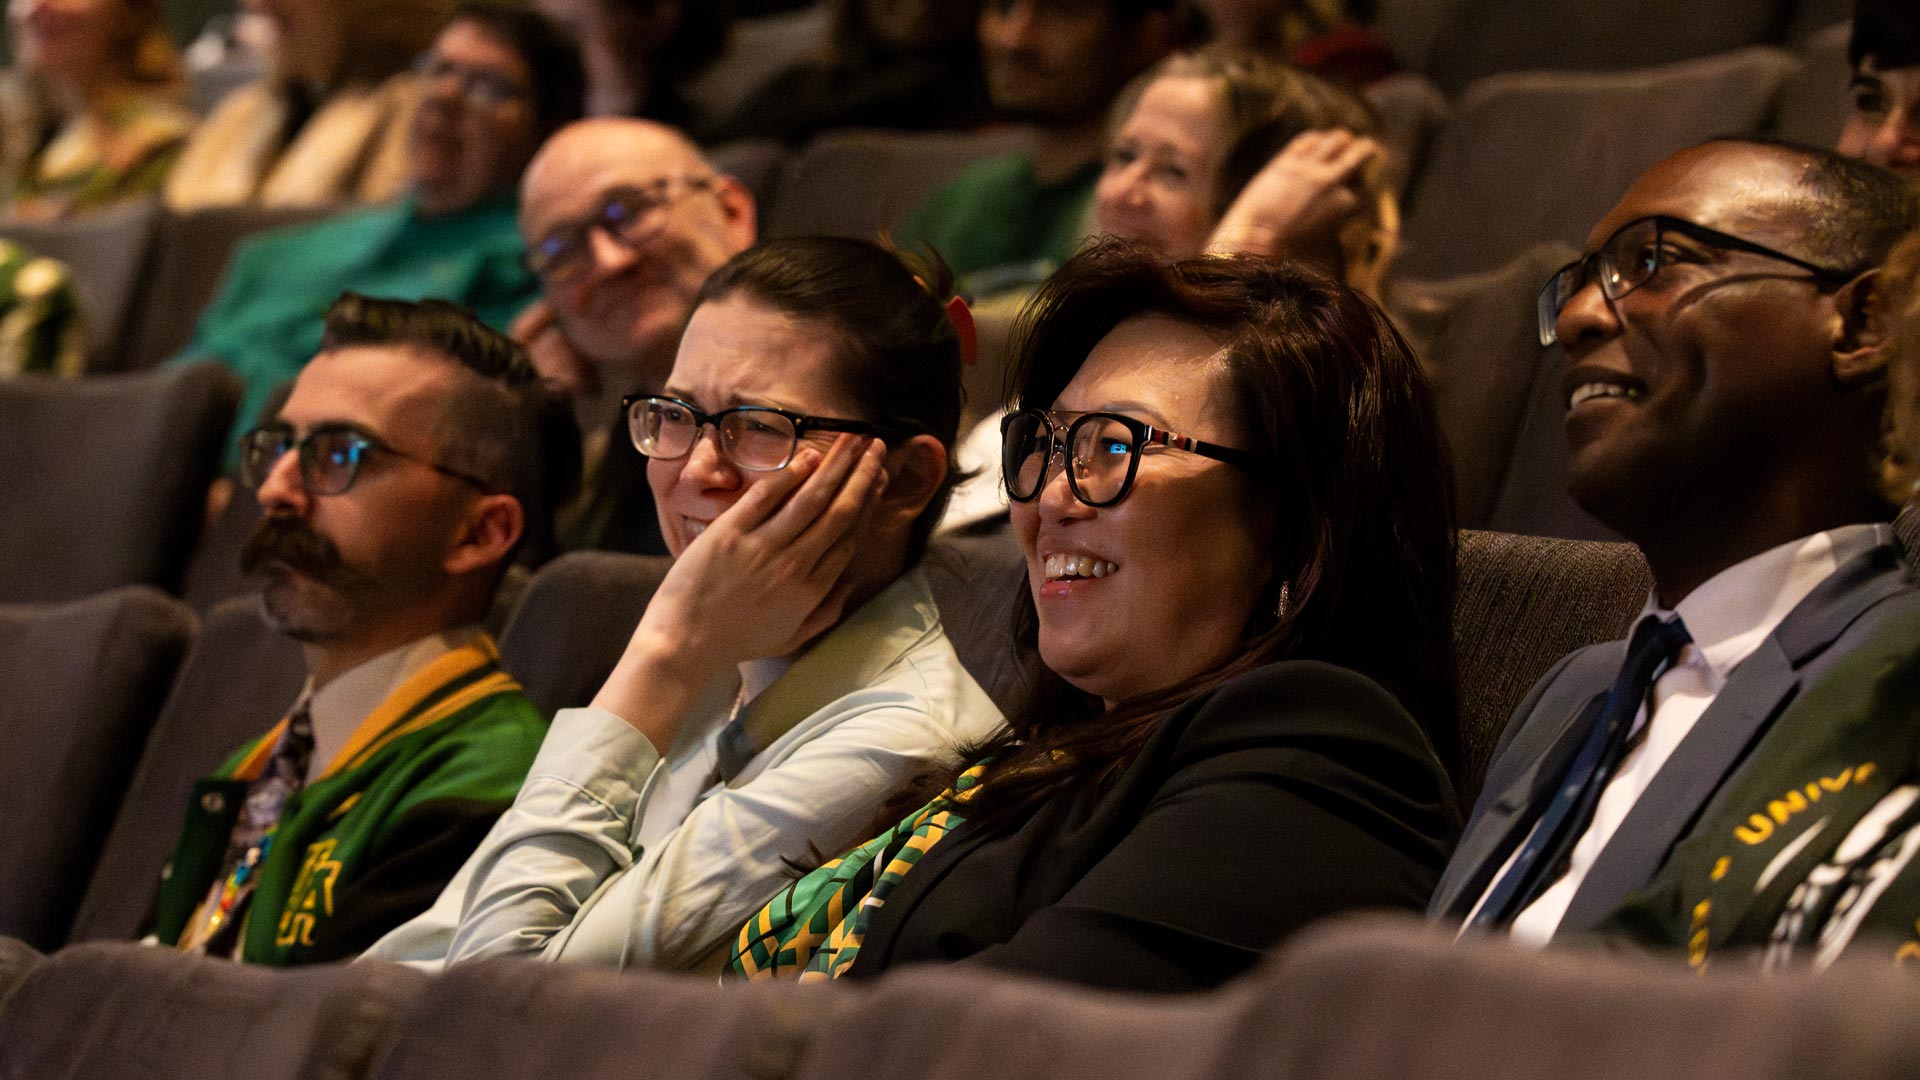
(497, 80)
(623, 221)
(418, 452)
(1056, 66)
(1724, 390)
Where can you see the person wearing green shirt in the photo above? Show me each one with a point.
(496, 82)
(1054, 66)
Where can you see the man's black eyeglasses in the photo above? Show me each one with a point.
(330, 457)
(1635, 253)
(631, 215)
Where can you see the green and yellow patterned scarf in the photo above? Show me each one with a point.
(814, 928)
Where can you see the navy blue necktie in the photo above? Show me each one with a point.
(1542, 858)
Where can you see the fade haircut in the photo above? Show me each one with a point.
(1852, 213)
(506, 426)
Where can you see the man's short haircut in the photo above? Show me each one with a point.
(555, 73)
(1852, 212)
(507, 427)
(1887, 31)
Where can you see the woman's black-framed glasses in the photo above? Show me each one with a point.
(330, 457)
(631, 215)
(1635, 253)
(757, 438)
(1102, 451)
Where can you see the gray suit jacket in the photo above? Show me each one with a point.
(1545, 733)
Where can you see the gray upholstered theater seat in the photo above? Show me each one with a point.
(1368, 1000)
(1541, 156)
(240, 679)
(1457, 41)
(573, 622)
(106, 1011)
(107, 252)
(1479, 344)
(190, 254)
(1815, 103)
(1522, 603)
(861, 183)
(17, 958)
(107, 478)
(80, 685)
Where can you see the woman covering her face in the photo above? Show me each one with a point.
(1237, 527)
(791, 669)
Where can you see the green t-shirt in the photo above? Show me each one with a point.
(998, 227)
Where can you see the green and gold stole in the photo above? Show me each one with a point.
(814, 928)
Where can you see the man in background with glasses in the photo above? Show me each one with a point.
(1723, 394)
(418, 453)
(623, 220)
(496, 81)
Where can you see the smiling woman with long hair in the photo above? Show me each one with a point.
(1235, 512)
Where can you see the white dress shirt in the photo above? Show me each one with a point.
(1728, 617)
(613, 855)
(337, 709)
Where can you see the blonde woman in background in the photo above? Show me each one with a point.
(91, 112)
(329, 124)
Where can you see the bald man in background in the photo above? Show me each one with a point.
(623, 221)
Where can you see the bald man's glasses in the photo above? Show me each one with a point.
(631, 216)
(1635, 253)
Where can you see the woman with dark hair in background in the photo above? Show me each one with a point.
(1240, 577)
(92, 112)
(791, 669)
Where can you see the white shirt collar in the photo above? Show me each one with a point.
(340, 707)
(1731, 613)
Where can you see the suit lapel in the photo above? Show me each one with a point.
(1665, 811)
(1755, 693)
(1504, 818)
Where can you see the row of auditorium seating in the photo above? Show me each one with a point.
(1363, 999)
(1451, 42)
(94, 704)
(1516, 160)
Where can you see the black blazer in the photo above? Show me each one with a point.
(1291, 793)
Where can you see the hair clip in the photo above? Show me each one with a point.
(962, 318)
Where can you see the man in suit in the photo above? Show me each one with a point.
(1724, 401)
(623, 221)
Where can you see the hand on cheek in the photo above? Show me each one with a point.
(763, 579)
